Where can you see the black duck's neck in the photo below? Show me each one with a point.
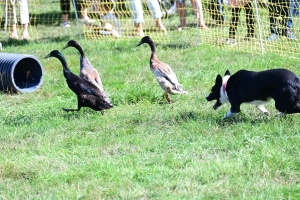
(152, 46)
(79, 48)
(63, 62)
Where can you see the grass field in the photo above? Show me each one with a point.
(145, 148)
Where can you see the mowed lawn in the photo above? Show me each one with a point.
(144, 147)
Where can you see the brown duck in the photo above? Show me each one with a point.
(87, 71)
(163, 72)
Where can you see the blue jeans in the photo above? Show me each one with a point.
(280, 8)
(295, 8)
(216, 11)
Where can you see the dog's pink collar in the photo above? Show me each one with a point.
(224, 87)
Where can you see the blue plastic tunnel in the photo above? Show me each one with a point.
(20, 73)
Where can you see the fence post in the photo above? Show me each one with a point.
(6, 21)
(77, 20)
(259, 29)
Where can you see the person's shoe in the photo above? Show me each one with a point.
(272, 37)
(291, 36)
(66, 24)
(230, 42)
(180, 28)
(249, 37)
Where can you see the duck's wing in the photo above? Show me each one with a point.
(161, 69)
(167, 78)
(92, 75)
(89, 88)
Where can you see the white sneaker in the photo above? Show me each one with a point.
(230, 42)
(66, 24)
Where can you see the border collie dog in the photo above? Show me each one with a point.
(257, 88)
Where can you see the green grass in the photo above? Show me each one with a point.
(145, 148)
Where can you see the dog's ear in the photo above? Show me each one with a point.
(227, 72)
(219, 80)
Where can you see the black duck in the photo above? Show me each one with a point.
(88, 95)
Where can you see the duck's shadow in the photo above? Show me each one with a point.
(85, 113)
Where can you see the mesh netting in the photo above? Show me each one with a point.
(252, 26)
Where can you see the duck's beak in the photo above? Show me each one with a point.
(139, 44)
(65, 47)
(47, 56)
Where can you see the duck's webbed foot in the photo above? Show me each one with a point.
(167, 97)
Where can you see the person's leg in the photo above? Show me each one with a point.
(220, 12)
(286, 14)
(137, 15)
(110, 17)
(249, 20)
(287, 21)
(235, 12)
(12, 20)
(292, 7)
(296, 8)
(13, 31)
(180, 6)
(24, 18)
(155, 11)
(136, 9)
(83, 9)
(272, 6)
(197, 6)
(65, 12)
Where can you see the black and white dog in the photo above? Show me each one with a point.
(257, 88)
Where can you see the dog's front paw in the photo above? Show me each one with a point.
(280, 114)
(229, 114)
(266, 113)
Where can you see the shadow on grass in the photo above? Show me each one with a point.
(187, 116)
(241, 118)
(30, 118)
(10, 171)
(15, 42)
(85, 113)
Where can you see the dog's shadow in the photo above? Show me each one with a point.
(254, 120)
